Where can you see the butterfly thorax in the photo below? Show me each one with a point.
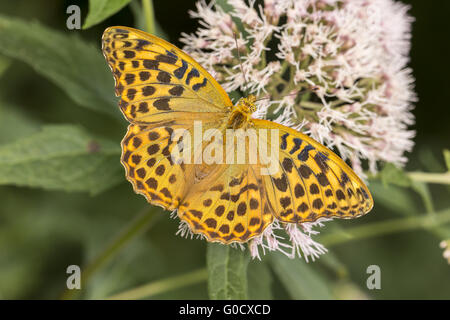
(241, 112)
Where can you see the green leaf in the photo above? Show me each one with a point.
(424, 191)
(227, 269)
(61, 157)
(331, 262)
(227, 8)
(299, 278)
(70, 63)
(259, 281)
(141, 23)
(4, 64)
(224, 5)
(393, 175)
(100, 10)
(447, 158)
(15, 124)
(428, 158)
(396, 198)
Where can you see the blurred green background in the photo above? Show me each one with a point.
(49, 224)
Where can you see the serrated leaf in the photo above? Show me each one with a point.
(227, 272)
(100, 10)
(299, 278)
(70, 63)
(61, 157)
(259, 281)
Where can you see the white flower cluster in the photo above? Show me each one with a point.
(334, 69)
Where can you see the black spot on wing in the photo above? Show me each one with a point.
(297, 144)
(344, 179)
(129, 54)
(283, 141)
(141, 43)
(151, 64)
(179, 73)
(144, 75)
(304, 154)
(321, 161)
(162, 104)
(176, 91)
(193, 73)
(171, 54)
(163, 77)
(148, 91)
(197, 86)
(281, 183)
(166, 59)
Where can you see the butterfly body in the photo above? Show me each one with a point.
(162, 91)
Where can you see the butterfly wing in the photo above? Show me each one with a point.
(146, 156)
(230, 205)
(312, 182)
(161, 89)
(157, 81)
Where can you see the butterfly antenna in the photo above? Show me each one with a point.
(240, 61)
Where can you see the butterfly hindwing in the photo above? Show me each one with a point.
(229, 206)
(312, 182)
(149, 166)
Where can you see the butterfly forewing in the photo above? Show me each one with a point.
(154, 78)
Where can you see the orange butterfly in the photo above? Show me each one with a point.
(163, 89)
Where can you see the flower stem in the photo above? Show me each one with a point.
(141, 223)
(164, 285)
(147, 6)
(312, 105)
(386, 227)
(440, 178)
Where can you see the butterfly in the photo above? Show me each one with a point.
(163, 89)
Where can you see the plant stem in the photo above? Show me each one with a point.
(141, 223)
(440, 178)
(164, 285)
(312, 105)
(147, 6)
(386, 227)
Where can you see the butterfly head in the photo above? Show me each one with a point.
(247, 105)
